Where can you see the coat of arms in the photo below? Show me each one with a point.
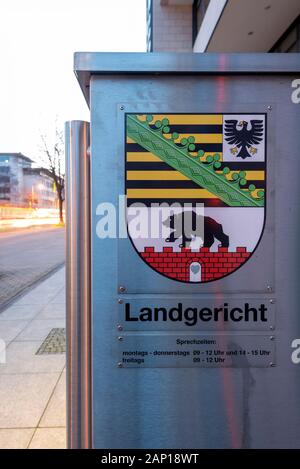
(195, 191)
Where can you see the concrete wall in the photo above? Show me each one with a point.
(172, 28)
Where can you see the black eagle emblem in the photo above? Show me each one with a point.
(243, 139)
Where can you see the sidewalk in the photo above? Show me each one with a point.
(32, 386)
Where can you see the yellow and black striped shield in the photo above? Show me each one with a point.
(209, 168)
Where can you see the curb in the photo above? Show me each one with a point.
(31, 285)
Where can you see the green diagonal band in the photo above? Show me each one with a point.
(202, 174)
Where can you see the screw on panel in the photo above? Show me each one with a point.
(272, 337)
(272, 364)
(120, 365)
(120, 337)
(272, 301)
(119, 327)
(269, 108)
(120, 301)
(122, 108)
(122, 289)
(271, 327)
(269, 288)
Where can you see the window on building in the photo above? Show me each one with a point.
(4, 179)
(4, 160)
(290, 41)
(199, 10)
(4, 190)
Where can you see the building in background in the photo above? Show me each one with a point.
(39, 190)
(12, 167)
(21, 185)
(169, 26)
(223, 25)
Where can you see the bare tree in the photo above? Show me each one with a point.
(54, 160)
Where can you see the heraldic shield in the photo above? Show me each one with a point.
(195, 191)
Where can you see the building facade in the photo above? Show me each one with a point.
(39, 190)
(12, 167)
(21, 185)
(223, 25)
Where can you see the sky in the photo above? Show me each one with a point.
(37, 42)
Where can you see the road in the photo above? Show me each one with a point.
(26, 257)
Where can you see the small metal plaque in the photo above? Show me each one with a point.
(196, 314)
(187, 351)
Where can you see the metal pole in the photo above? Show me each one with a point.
(78, 277)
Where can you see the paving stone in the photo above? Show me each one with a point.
(15, 438)
(38, 329)
(49, 438)
(55, 413)
(24, 397)
(21, 357)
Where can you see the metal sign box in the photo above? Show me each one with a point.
(184, 339)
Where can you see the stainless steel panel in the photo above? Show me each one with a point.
(188, 351)
(87, 64)
(192, 407)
